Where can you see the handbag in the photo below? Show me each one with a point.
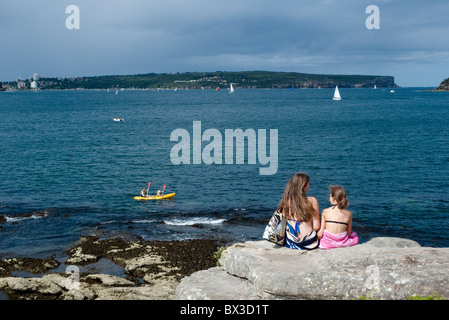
(275, 230)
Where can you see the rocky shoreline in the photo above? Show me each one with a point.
(147, 270)
(383, 268)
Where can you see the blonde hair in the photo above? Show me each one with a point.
(339, 194)
(294, 203)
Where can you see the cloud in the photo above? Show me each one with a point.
(137, 36)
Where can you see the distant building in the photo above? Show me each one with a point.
(21, 85)
(36, 77)
(33, 85)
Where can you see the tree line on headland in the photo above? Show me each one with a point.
(212, 80)
(444, 85)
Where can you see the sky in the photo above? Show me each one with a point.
(169, 36)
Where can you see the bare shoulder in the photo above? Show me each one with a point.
(349, 213)
(313, 201)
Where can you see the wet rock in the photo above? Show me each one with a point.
(32, 265)
(153, 270)
(107, 280)
(162, 290)
(31, 288)
(160, 258)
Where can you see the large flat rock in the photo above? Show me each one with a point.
(216, 284)
(383, 268)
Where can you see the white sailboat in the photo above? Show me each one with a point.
(336, 94)
(231, 90)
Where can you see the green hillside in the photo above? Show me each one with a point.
(444, 86)
(222, 79)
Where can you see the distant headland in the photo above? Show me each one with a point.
(203, 80)
(444, 85)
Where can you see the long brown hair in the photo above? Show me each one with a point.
(294, 203)
(339, 194)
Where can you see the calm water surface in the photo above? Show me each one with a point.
(67, 169)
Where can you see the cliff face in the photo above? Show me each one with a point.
(444, 86)
(330, 81)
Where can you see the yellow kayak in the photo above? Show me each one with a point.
(165, 196)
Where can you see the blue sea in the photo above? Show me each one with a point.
(68, 170)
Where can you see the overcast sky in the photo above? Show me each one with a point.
(142, 36)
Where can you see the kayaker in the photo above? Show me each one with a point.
(143, 192)
(159, 193)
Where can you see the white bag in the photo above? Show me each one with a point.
(275, 230)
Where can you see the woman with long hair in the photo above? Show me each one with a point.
(301, 212)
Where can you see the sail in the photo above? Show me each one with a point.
(336, 94)
(231, 90)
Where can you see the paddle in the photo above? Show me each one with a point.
(163, 189)
(148, 188)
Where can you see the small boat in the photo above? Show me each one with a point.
(336, 94)
(231, 90)
(155, 197)
(118, 119)
(392, 91)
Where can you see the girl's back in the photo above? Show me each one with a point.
(337, 220)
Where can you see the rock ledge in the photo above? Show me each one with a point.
(382, 268)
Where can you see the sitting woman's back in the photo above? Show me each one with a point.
(301, 212)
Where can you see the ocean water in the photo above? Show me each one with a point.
(68, 170)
